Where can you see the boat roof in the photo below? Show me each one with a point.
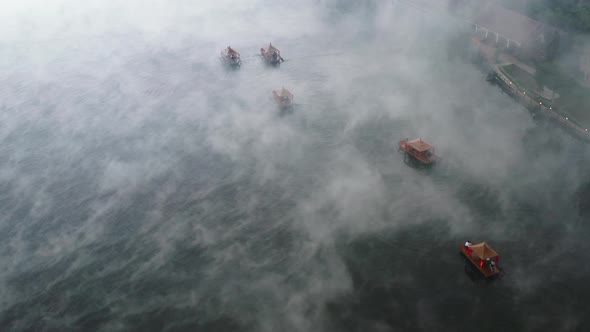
(283, 93)
(419, 145)
(231, 51)
(483, 251)
(272, 48)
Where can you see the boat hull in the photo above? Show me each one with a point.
(282, 104)
(231, 63)
(268, 58)
(271, 62)
(424, 161)
(484, 270)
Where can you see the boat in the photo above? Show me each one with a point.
(272, 55)
(231, 57)
(283, 98)
(483, 258)
(418, 150)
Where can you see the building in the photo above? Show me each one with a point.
(510, 31)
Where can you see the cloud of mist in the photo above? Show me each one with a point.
(129, 152)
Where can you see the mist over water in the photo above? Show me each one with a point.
(144, 187)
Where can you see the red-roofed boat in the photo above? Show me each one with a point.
(283, 98)
(272, 55)
(419, 151)
(231, 57)
(483, 258)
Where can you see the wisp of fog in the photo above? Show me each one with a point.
(146, 187)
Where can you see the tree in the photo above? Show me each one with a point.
(552, 48)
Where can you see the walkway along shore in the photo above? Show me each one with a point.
(535, 104)
(529, 99)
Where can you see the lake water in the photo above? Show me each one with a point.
(147, 188)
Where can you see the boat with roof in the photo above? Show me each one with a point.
(272, 55)
(419, 151)
(231, 57)
(483, 258)
(283, 98)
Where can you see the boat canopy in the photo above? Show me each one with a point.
(231, 51)
(483, 251)
(272, 48)
(419, 145)
(284, 93)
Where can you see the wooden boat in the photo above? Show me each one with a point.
(484, 258)
(231, 57)
(283, 98)
(272, 55)
(419, 151)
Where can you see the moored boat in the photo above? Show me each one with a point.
(272, 55)
(231, 57)
(483, 258)
(418, 150)
(283, 98)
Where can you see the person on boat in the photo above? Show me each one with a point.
(468, 245)
(275, 56)
(489, 263)
(492, 266)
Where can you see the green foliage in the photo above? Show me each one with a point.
(568, 15)
(574, 99)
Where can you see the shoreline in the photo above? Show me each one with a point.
(537, 107)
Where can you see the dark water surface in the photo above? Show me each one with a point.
(146, 188)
